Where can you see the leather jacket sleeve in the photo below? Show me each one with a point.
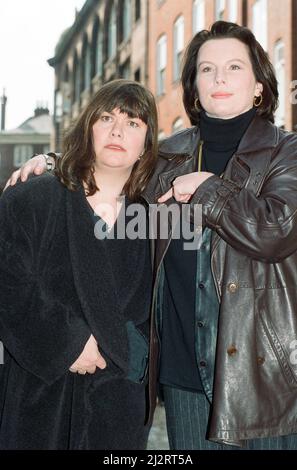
(264, 225)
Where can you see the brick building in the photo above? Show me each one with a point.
(172, 24)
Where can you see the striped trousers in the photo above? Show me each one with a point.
(187, 419)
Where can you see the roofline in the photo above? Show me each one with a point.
(74, 29)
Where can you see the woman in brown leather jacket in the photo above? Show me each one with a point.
(225, 314)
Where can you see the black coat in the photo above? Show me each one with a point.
(57, 286)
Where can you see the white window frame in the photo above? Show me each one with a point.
(161, 64)
(198, 16)
(233, 10)
(178, 45)
(260, 24)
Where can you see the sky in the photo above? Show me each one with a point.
(29, 32)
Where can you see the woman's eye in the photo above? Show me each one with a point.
(105, 118)
(206, 69)
(235, 67)
(133, 124)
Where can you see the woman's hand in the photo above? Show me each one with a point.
(89, 359)
(184, 186)
(36, 165)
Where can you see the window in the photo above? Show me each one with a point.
(125, 70)
(178, 46)
(137, 9)
(137, 75)
(76, 80)
(126, 19)
(232, 7)
(46, 149)
(198, 15)
(21, 153)
(220, 8)
(279, 65)
(260, 22)
(112, 34)
(58, 106)
(177, 125)
(97, 50)
(161, 64)
(86, 64)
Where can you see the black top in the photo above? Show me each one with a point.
(178, 359)
(130, 260)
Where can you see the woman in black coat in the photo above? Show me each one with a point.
(75, 305)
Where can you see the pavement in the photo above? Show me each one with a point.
(158, 434)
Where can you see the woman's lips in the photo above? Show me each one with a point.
(115, 147)
(221, 96)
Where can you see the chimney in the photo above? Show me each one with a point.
(41, 108)
(3, 110)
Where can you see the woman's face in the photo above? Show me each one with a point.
(225, 78)
(118, 140)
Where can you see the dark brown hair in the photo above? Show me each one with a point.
(76, 166)
(262, 67)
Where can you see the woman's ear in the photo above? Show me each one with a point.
(258, 89)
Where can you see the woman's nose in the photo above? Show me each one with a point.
(117, 130)
(220, 78)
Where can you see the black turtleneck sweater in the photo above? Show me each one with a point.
(178, 359)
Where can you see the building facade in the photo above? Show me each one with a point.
(107, 40)
(172, 24)
(145, 40)
(18, 145)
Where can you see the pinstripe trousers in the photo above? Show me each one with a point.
(187, 419)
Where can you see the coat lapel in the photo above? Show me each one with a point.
(94, 280)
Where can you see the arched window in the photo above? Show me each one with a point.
(112, 33)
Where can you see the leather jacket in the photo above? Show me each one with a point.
(252, 211)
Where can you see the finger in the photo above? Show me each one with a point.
(14, 177)
(91, 370)
(73, 370)
(166, 196)
(81, 372)
(7, 184)
(101, 363)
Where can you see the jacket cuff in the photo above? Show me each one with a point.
(213, 195)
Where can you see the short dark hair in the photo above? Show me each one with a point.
(76, 166)
(261, 64)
